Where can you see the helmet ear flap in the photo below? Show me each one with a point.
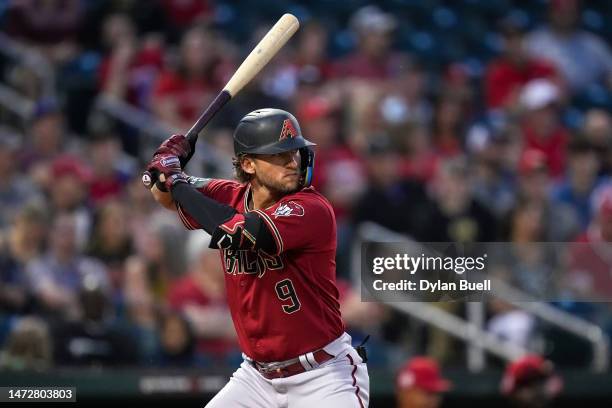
(307, 158)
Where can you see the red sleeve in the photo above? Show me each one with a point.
(220, 190)
(304, 220)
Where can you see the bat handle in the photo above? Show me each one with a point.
(215, 106)
(149, 179)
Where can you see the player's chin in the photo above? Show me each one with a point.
(289, 185)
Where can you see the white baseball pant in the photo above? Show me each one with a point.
(341, 382)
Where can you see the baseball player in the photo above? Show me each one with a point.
(277, 238)
(531, 382)
(419, 384)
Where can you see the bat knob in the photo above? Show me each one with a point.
(147, 179)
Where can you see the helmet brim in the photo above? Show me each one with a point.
(285, 145)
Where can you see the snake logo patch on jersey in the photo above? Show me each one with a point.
(287, 209)
(288, 130)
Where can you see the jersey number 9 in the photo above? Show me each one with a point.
(286, 291)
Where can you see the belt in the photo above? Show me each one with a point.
(292, 368)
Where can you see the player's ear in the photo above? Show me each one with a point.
(248, 164)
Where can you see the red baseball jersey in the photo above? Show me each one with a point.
(283, 304)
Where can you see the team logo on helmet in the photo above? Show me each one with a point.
(287, 209)
(288, 130)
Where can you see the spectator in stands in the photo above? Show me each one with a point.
(93, 339)
(458, 217)
(560, 221)
(373, 59)
(299, 75)
(507, 74)
(531, 382)
(591, 256)
(45, 139)
(177, 341)
(49, 26)
(526, 223)
(456, 82)
(57, 277)
(23, 243)
(28, 347)
(419, 384)
(597, 130)
(111, 241)
(159, 249)
(404, 100)
(494, 185)
(129, 70)
(311, 57)
(111, 168)
(68, 187)
(420, 160)
(582, 57)
(448, 126)
(145, 220)
(529, 267)
(541, 125)
(16, 190)
(181, 93)
(580, 181)
(397, 204)
(199, 296)
(339, 172)
(140, 309)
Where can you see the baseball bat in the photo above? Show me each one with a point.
(263, 52)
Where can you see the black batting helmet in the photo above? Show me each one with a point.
(272, 131)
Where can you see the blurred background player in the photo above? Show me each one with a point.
(531, 382)
(419, 384)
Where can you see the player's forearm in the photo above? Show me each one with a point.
(208, 213)
(228, 228)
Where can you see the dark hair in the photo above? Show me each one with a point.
(185, 354)
(240, 175)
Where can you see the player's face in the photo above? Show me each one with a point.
(278, 172)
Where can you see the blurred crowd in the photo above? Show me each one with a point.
(507, 140)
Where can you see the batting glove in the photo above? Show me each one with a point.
(169, 165)
(176, 145)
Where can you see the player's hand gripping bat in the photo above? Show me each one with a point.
(269, 45)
